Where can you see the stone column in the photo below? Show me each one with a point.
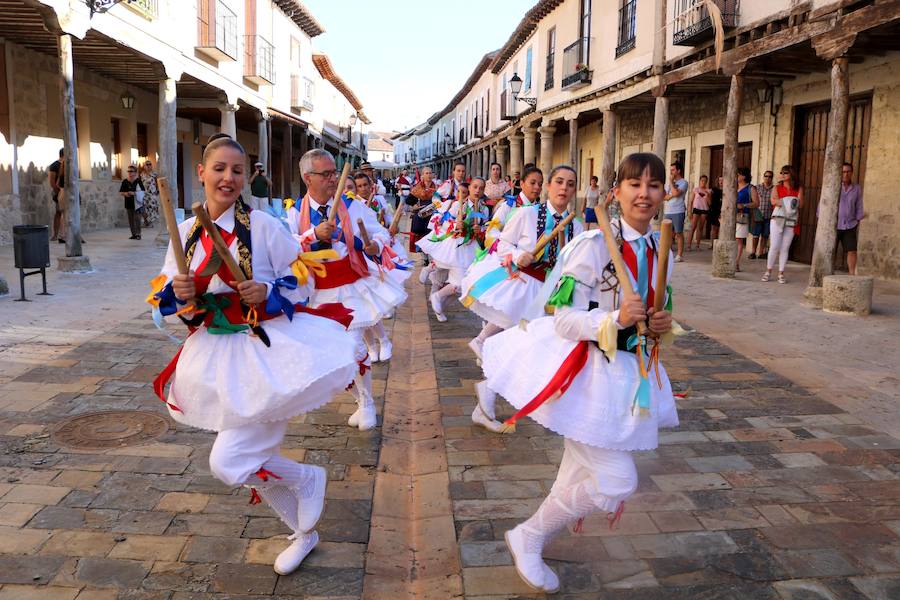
(529, 152)
(515, 153)
(262, 131)
(167, 165)
(228, 124)
(661, 127)
(501, 158)
(485, 162)
(725, 248)
(608, 162)
(547, 132)
(826, 228)
(573, 161)
(74, 260)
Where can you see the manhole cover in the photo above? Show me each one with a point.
(112, 429)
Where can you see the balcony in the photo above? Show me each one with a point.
(259, 60)
(146, 8)
(301, 93)
(507, 106)
(216, 30)
(576, 73)
(693, 25)
(627, 27)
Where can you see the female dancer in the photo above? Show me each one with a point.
(530, 193)
(501, 286)
(604, 404)
(247, 387)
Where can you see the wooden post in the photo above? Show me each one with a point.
(659, 37)
(661, 127)
(826, 229)
(725, 248)
(529, 152)
(167, 165)
(608, 163)
(70, 142)
(515, 152)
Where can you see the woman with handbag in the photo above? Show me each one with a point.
(747, 200)
(787, 198)
(132, 190)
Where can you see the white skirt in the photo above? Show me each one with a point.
(504, 303)
(398, 275)
(597, 407)
(231, 380)
(448, 254)
(370, 298)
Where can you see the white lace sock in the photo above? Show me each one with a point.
(283, 500)
(379, 331)
(487, 331)
(301, 480)
(555, 513)
(447, 291)
(362, 386)
(371, 340)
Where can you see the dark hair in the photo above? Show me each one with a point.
(61, 152)
(458, 163)
(496, 163)
(746, 173)
(529, 171)
(559, 168)
(847, 164)
(362, 175)
(790, 170)
(702, 177)
(679, 166)
(481, 179)
(595, 178)
(635, 165)
(463, 184)
(221, 140)
(529, 166)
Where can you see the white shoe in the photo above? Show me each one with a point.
(367, 417)
(373, 352)
(679, 259)
(291, 557)
(312, 499)
(476, 346)
(438, 309)
(530, 566)
(353, 421)
(423, 275)
(479, 417)
(390, 315)
(484, 414)
(385, 351)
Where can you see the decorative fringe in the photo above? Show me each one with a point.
(264, 474)
(254, 497)
(579, 526)
(615, 517)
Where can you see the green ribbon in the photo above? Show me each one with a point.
(565, 292)
(220, 325)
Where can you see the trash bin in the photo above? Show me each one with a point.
(31, 246)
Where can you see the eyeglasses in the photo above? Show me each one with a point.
(326, 174)
(785, 173)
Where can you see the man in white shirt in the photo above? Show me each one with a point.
(675, 208)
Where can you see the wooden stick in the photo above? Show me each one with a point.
(622, 272)
(213, 232)
(556, 231)
(342, 182)
(561, 239)
(363, 234)
(662, 267)
(165, 201)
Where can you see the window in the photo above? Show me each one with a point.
(585, 29)
(551, 58)
(627, 27)
(142, 137)
(295, 52)
(527, 85)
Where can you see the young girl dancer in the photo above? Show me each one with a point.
(604, 402)
(531, 183)
(247, 387)
(499, 287)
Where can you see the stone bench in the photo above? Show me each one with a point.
(848, 294)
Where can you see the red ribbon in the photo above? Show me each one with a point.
(159, 384)
(333, 310)
(560, 382)
(264, 474)
(254, 497)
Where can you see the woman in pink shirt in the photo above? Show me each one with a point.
(495, 187)
(699, 210)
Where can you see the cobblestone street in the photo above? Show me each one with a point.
(765, 491)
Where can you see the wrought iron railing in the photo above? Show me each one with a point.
(217, 28)
(576, 70)
(259, 58)
(693, 23)
(627, 27)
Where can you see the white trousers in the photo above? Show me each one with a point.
(240, 452)
(612, 473)
(780, 238)
(258, 203)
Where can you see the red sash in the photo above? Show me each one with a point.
(538, 271)
(338, 273)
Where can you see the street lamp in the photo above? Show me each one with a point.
(515, 86)
(101, 6)
(127, 101)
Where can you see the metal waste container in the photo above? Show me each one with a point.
(31, 245)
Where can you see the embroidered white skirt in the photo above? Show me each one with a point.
(370, 298)
(598, 408)
(449, 254)
(504, 303)
(223, 381)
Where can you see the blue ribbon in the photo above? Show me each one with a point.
(276, 303)
(635, 342)
(510, 199)
(489, 280)
(168, 303)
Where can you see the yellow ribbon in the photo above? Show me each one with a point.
(607, 334)
(312, 262)
(156, 286)
(289, 203)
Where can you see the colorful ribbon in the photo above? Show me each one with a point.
(311, 262)
(276, 303)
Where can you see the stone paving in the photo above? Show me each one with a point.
(765, 491)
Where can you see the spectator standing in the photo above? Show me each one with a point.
(259, 187)
(761, 217)
(591, 200)
(747, 200)
(787, 200)
(516, 184)
(132, 187)
(369, 170)
(56, 176)
(715, 209)
(150, 211)
(676, 193)
(404, 185)
(496, 187)
(850, 213)
(699, 210)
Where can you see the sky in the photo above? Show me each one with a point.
(405, 59)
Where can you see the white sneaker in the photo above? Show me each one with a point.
(353, 421)
(438, 309)
(479, 417)
(530, 566)
(423, 275)
(385, 350)
(367, 417)
(291, 557)
(476, 346)
(312, 499)
(679, 259)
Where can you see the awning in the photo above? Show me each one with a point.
(384, 164)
